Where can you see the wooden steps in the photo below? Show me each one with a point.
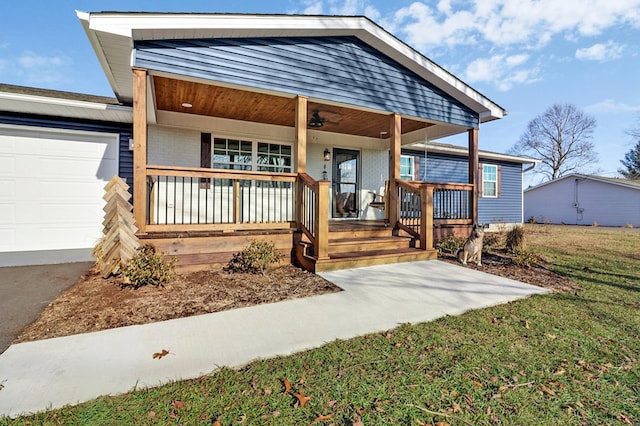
(353, 245)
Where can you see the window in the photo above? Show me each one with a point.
(232, 154)
(406, 167)
(274, 158)
(489, 180)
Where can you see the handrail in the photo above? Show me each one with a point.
(313, 216)
(189, 198)
(415, 214)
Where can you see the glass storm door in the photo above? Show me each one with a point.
(346, 169)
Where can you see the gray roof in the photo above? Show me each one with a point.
(58, 94)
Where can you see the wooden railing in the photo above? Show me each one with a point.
(183, 198)
(421, 204)
(452, 203)
(313, 213)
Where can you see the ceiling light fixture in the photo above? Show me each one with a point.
(187, 105)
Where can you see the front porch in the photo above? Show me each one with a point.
(204, 216)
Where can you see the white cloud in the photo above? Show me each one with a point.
(609, 106)
(531, 23)
(601, 52)
(339, 7)
(501, 70)
(36, 70)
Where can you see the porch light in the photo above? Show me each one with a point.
(327, 155)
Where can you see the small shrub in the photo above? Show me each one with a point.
(595, 224)
(491, 240)
(515, 239)
(148, 267)
(532, 219)
(450, 244)
(629, 225)
(525, 258)
(255, 258)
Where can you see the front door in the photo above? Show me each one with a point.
(346, 171)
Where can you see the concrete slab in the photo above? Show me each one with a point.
(52, 373)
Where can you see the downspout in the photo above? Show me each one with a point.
(576, 202)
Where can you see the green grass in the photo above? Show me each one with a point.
(567, 359)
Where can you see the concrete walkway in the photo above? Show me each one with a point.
(52, 373)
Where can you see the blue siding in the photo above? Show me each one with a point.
(125, 131)
(507, 208)
(340, 69)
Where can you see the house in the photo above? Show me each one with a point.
(57, 152)
(500, 200)
(578, 199)
(280, 128)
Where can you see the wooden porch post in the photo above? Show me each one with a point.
(300, 151)
(140, 148)
(301, 135)
(474, 163)
(395, 139)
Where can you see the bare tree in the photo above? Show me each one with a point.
(561, 138)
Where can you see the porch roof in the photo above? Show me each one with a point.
(112, 35)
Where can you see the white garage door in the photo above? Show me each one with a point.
(51, 188)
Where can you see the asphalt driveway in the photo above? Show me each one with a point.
(26, 290)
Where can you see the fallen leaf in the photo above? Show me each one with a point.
(178, 405)
(276, 413)
(625, 419)
(151, 414)
(497, 396)
(217, 422)
(302, 398)
(332, 403)
(162, 354)
(359, 410)
(526, 324)
(559, 372)
(551, 336)
(357, 423)
(287, 385)
(442, 424)
(456, 408)
(477, 384)
(547, 391)
(323, 418)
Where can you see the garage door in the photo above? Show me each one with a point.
(51, 188)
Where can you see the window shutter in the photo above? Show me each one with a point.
(479, 182)
(416, 168)
(499, 183)
(205, 157)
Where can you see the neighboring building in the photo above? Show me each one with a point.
(238, 127)
(500, 203)
(584, 200)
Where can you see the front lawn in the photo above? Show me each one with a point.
(565, 358)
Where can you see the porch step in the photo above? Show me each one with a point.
(348, 260)
(359, 245)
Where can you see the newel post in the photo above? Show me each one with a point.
(140, 148)
(300, 151)
(426, 211)
(322, 220)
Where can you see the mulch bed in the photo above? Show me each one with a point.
(95, 303)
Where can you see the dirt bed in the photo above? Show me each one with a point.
(96, 304)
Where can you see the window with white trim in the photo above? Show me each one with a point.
(274, 157)
(232, 154)
(407, 171)
(489, 180)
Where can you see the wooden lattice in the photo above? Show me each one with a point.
(119, 243)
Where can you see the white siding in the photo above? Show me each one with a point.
(579, 201)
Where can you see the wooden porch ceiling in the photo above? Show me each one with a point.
(224, 102)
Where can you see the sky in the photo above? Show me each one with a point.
(525, 55)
